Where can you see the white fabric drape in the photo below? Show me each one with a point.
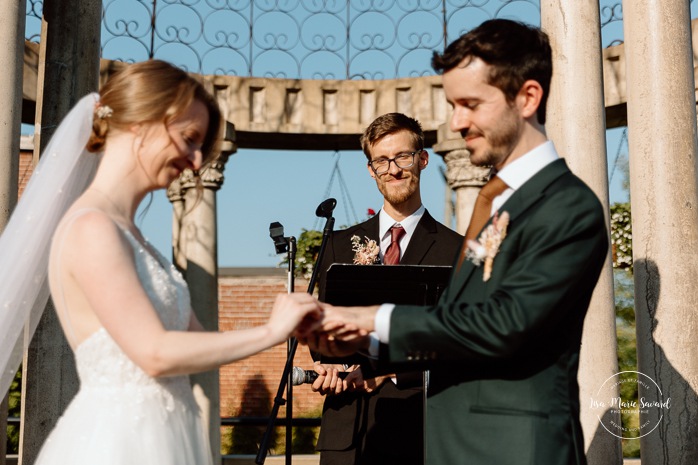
(63, 173)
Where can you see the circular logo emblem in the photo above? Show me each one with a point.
(634, 397)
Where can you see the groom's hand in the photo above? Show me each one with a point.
(357, 318)
(337, 340)
(344, 330)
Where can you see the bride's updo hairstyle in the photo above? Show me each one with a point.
(149, 92)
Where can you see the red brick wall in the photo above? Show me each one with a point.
(25, 169)
(249, 386)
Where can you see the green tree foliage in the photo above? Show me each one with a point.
(622, 252)
(627, 355)
(14, 404)
(245, 440)
(308, 247)
(304, 439)
(621, 236)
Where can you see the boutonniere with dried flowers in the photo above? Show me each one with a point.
(487, 245)
(366, 253)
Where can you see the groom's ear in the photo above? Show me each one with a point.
(529, 98)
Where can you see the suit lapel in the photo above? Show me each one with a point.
(524, 198)
(371, 229)
(533, 190)
(341, 251)
(421, 241)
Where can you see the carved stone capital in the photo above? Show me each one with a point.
(210, 177)
(460, 172)
(175, 192)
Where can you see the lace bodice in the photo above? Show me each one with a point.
(100, 361)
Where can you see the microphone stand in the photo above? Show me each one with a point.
(323, 210)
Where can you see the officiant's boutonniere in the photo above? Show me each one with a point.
(366, 253)
(487, 245)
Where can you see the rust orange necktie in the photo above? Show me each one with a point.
(482, 211)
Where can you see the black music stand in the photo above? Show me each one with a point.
(358, 285)
(351, 285)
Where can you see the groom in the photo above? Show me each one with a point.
(502, 344)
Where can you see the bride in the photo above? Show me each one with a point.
(124, 309)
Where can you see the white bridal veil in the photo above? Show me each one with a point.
(63, 173)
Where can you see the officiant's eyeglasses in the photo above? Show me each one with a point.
(402, 160)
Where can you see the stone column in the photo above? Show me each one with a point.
(12, 19)
(462, 176)
(576, 124)
(663, 148)
(195, 244)
(449, 204)
(69, 61)
(175, 193)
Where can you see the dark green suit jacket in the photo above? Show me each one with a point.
(504, 354)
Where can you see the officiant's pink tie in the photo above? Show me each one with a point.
(482, 211)
(392, 254)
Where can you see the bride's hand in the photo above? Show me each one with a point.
(297, 313)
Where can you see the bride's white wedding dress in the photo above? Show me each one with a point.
(120, 415)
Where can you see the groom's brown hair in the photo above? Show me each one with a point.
(516, 53)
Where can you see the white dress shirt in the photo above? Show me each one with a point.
(522, 169)
(514, 175)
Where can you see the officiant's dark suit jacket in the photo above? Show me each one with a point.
(385, 426)
(503, 354)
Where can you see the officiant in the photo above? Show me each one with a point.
(379, 420)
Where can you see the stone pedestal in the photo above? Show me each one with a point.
(662, 140)
(462, 177)
(576, 125)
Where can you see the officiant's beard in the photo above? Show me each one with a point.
(397, 195)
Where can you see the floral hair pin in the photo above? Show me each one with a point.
(104, 111)
(366, 253)
(487, 245)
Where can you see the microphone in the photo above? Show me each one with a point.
(276, 232)
(300, 376)
(325, 209)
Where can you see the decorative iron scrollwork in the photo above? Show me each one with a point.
(303, 39)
